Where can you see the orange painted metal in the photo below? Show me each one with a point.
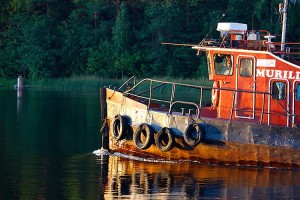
(250, 103)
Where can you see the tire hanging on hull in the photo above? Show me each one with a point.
(143, 136)
(119, 127)
(164, 139)
(193, 134)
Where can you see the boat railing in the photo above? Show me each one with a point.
(186, 103)
(265, 95)
(170, 100)
(257, 40)
(127, 83)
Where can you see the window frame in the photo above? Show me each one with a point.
(220, 67)
(242, 68)
(275, 94)
(297, 96)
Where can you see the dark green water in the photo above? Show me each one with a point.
(46, 144)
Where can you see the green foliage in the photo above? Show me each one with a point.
(54, 39)
(100, 59)
(121, 37)
(37, 52)
(74, 83)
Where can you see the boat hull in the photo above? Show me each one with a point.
(224, 142)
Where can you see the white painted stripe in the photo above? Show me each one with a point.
(266, 63)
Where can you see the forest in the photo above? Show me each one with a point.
(118, 38)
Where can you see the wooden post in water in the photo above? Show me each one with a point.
(104, 129)
(20, 83)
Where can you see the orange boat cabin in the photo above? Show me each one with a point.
(252, 81)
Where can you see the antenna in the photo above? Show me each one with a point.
(223, 15)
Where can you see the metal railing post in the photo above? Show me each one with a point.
(150, 95)
(232, 105)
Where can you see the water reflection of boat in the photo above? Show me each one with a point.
(143, 180)
(253, 118)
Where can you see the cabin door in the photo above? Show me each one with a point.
(278, 102)
(245, 86)
(296, 104)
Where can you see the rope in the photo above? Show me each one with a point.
(103, 125)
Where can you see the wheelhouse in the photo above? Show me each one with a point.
(252, 81)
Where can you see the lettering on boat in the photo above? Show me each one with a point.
(283, 74)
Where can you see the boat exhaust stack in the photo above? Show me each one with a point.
(283, 11)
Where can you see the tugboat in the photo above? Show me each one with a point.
(252, 120)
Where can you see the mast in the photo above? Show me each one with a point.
(284, 20)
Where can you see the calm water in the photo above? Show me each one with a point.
(46, 145)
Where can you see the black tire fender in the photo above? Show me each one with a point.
(143, 130)
(165, 139)
(193, 134)
(119, 127)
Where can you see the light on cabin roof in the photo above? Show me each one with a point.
(230, 26)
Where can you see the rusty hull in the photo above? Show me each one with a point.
(228, 143)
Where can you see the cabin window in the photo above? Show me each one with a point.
(298, 92)
(279, 90)
(223, 64)
(246, 67)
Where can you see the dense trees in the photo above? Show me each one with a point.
(116, 38)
